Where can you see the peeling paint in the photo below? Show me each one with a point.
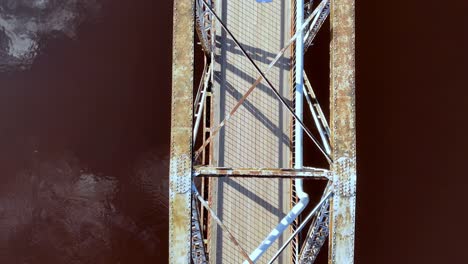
(312, 173)
(181, 133)
(342, 208)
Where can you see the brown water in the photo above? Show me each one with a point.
(84, 133)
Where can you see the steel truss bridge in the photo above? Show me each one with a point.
(237, 167)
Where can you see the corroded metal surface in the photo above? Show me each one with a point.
(342, 212)
(311, 173)
(181, 133)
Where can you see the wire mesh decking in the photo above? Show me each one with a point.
(258, 134)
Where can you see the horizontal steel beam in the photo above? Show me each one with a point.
(312, 173)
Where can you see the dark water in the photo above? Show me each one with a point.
(84, 131)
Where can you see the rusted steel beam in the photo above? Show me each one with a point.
(312, 173)
(181, 133)
(343, 136)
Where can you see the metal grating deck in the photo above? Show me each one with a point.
(258, 134)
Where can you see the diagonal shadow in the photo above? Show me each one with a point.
(251, 80)
(254, 197)
(257, 54)
(284, 139)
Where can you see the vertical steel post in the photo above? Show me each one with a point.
(299, 108)
(342, 101)
(181, 133)
(299, 92)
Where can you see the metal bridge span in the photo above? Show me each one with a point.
(236, 172)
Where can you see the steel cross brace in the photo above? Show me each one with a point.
(266, 173)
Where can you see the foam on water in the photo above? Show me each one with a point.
(26, 24)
